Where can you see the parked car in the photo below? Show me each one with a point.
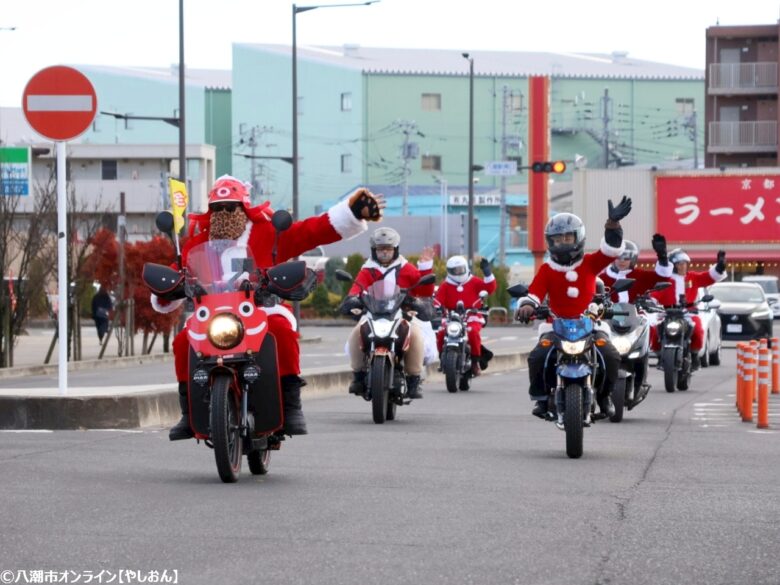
(769, 284)
(710, 352)
(744, 310)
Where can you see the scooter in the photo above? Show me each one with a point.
(235, 396)
(630, 334)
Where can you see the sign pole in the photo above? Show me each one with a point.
(62, 269)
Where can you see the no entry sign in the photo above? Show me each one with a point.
(59, 103)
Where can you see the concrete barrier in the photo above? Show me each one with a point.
(160, 406)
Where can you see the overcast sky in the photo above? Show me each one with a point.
(145, 32)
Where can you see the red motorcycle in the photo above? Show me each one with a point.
(234, 390)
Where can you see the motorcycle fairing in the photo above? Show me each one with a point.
(253, 319)
(572, 329)
(573, 370)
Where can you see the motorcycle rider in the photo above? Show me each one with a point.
(568, 278)
(231, 216)
(687, 283)
(624, 266)
(386, 263)
(461, 285)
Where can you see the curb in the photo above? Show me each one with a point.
(160, 408)
(112, 362)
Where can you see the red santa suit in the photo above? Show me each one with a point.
(337, 223)
(687, 285)
(404, 274)
(644, 280)
(570, 288)
(448, 295)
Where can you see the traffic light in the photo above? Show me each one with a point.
(556, 166)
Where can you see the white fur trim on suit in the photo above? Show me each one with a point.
(611, 251)
(344, 221)
(665, 271)
(166, 308)
(562, 267)
(572, 275)
(284, 312)
(371, 263)
(425, 265)
(488, 279)
(716, 276)
(573, 292)
(614, 274)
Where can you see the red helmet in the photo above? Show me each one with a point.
(228, 188)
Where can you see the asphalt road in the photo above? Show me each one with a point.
(325, 354)
(461, 489)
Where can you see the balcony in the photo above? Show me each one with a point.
(732, 137)
(742, 78)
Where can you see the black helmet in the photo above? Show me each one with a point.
(565, 223)
(630, 253)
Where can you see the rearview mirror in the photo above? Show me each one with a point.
(343, 276)
(707, 298)
(517, 290)
(714, 304)
(483, 294)
(281, 220)
(660, 286)
(164, 222)
(427, 279)
(622, 284)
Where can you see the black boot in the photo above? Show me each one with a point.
(695, 362)
(358, 384)
(294, 423)
(181, 430)
(606, 406)
(540, 409)
(413, 389)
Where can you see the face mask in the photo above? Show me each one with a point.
(227, 225)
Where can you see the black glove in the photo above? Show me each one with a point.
(720, 267)
(486, 266)
(623, 209)
(524, 313)
(659, 245)
(349, 303)
(365, 205)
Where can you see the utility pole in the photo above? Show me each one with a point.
(605, 109)
(409, 151)
(502, 209)
(690, 124)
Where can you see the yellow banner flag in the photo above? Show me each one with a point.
(179, 199)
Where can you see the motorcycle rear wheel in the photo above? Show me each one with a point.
(670, 371)
(259, 461)
(619, 399)
(379, 389)
(451, 370)
(572, 421)
(225, 430)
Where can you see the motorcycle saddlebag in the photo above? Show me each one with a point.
(164, 281)
(292, 281)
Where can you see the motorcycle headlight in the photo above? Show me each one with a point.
(382, 327)
(573, 347)
(673, 328)
(225, 331)
(453, 329)
(622, 344)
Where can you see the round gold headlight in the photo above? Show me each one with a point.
(225, 331)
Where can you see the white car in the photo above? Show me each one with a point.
(710, 320)
(769, 284)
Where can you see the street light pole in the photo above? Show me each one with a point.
(471, 160)
(182, 141)
(295, 10)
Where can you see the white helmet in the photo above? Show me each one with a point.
(458, 269)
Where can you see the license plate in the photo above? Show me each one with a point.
(734, 328)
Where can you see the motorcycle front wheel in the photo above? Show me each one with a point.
(451, 370)
(380, 382)
(670, 370)
(619, 399)
(572, 421)
(225, 430)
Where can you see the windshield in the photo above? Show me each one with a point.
(216, 265)
(769, 286)
(383, 297)
(572, 329)
(738, 294)
(628, 320)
